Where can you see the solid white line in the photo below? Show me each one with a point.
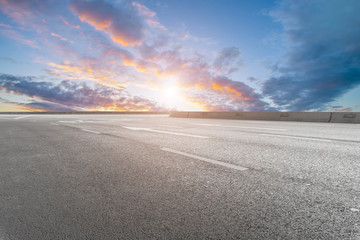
(22, 117)
(232, 126)
(54, 124)
(228, 165)
(86, 130)
(305, 138)
(166, 132)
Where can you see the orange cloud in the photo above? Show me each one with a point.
(123, 24)
(60, 37)
(142, 66)
(73, 95)
(70, 25)
(203, 106)
(86, 71)
(231, 91)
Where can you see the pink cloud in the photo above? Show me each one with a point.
(123, 23)
(19, 37)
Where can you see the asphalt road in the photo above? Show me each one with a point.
(155, 177)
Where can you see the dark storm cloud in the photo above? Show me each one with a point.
(323, 61)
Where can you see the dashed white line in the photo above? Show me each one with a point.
(87, 130)
(165, 132)
(22, 117)
(232, 126)
(318, 125)
(54, 124)
(168, 126)
(304, 138)
(126, 119)
(228, 165)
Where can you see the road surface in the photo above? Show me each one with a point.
(155, 177)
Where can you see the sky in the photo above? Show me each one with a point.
(186, 55)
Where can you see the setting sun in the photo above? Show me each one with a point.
(171, 96)
(171, 92)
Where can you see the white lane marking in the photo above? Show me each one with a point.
(354, 210)
(166, 132)
(305, 138)
(76, 121)
(228, 165)
(54, 124)
(126, 119)
(232, 126)
(87, 130)
(208, 124)
(81, 121)
(318, 125)
(168, 126)
(22, 117)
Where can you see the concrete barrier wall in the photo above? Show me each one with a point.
(285, 116)
(179, 114)
(275, 116)
(345, 117)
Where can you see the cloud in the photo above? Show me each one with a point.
(196, 73)
(61, 37)
(5, 25)
(46, 106)
(86, 69)
(66, 22)
(18, 11)
(228, 60)
(211, 101)
(73, 96)
(153, 55)
(122, 22)
(15, 35)
(29, 12)
(8, 59)
(149, 15)
(323, 59)
(348, 109)
(230, 95)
